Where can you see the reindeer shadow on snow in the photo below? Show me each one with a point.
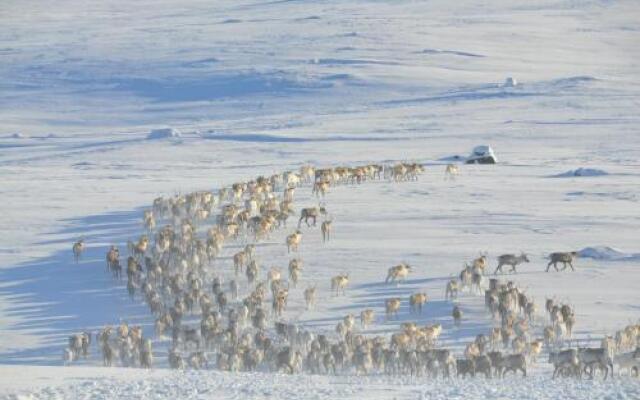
(58, 297)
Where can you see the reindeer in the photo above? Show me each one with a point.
(535, 349)
(495, 338)
(326, 230)
(591, 357)
(280, 301)
(289, 360)
(513, 363)
(565, 361)
(307, 173)
(452, 289)
(252, 271)
(293, 241)
(366, 318)
(391, 307)
(398, 272)
(138, 249)
(67, 356)
(310, 296)
(320, 188)
(630, 361)
(563, 257)
(399, 172)
(295, 269)
(113, 262)
(451, 172)
(465, 367)
(250, 252)
(480, 263)
(457, 316)
(78, 248)
(339, 283)
(417, 301)
(311, 213)
(511, 260)
(288, 194)
(148, 220)
(239, 260)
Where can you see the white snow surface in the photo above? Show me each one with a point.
(279, 84)
(100, 383)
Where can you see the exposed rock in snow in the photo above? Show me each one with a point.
(510, 82)
(608, 254)
(17, 136)
(164, 133)
(482, 155)
(582, 172)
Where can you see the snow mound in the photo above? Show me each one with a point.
(164, 133)
(510, 82)
(482, 155)
(582, 172)
(17, 136)
(607, 253)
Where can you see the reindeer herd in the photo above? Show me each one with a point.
(212, 316)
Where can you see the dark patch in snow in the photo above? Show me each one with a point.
(83, 165)
(266, 138)
(452, 158)
(205, 62)
(338, 61)
(451, 52)
(337, 77)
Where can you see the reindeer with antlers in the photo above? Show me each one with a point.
(311, 213)
(511, 260)
(398, 273)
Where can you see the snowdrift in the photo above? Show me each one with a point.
(607, 253)
(582, 172)
(482, 155)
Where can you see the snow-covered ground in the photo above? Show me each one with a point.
(256, 88)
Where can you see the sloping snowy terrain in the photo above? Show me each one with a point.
(256, 88)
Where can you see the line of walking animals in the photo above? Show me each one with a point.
(178, 281)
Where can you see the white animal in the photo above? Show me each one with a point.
(451, 172)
